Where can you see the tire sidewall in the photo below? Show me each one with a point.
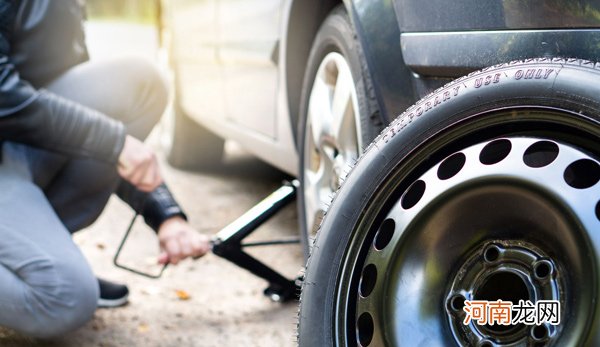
(572, 85)
(335, 35)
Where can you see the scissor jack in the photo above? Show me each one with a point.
(228, 243)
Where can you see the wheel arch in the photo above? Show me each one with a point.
(305, 19)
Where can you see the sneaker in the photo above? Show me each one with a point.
(112, 294)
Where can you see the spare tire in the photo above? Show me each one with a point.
(486, 189)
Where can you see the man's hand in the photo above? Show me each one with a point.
(138, 165)
(178, 240)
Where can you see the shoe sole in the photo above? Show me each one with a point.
(107, 303)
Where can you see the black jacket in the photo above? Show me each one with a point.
(39, 40)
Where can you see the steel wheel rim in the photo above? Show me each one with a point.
(333, 138)
(353, 305)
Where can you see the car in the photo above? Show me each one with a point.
(430, 192)
(243, 71)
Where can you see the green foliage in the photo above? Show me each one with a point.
(140, 11)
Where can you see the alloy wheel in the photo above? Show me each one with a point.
(333, 138)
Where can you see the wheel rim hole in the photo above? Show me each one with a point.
(486, 343)
(582, 174)
(540, 154)
(365, 329)
(385, 234)
(413, 195)
(542, 269)
(331, 73)
(451, 166)
(368, 280)
(457, 303)
(505, 286)
(491, 254)
(495, 151)
(540, 332)
(598, 210)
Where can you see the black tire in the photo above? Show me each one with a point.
(336, 34)
(349, 293)
(191, 146)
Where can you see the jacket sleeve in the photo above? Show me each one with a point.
(45, 120)
(156, 206)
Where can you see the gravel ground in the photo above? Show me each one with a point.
(207, 302)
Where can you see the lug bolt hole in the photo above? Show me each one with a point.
(486, 343)
(539, 333)
(543, 269)
(456, 303)
(366, 328)
(491, 254)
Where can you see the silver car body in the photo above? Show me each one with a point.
(229, 69)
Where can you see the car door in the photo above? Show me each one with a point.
(193, 42)
(248, 32)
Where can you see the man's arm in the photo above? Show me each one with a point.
(156, 206)
(42, 119)
(45, 120)
(178, 240)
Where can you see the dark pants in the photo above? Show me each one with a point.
(46, 285)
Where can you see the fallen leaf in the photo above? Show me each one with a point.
(142, 328)
(182, 294)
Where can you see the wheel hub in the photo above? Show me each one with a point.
(507, 270)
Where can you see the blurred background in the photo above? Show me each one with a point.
(127, 27)
(137, 11)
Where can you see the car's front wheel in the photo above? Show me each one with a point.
(339, 117)
(485, 190)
